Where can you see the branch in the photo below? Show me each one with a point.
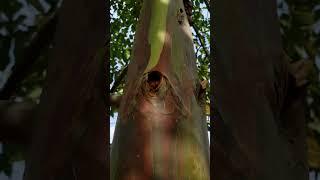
(301, 70)
(119, 80)
(188, 7)
(207, 4)
(201, 41)
(42, 40)
(17, 119)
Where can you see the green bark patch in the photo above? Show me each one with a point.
(157, 30)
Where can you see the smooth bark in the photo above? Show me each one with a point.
(70, 140)
(161, 132)
(260, 130)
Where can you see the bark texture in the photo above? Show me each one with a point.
(259, 132)
(161, 132)
(16, 121)
(70, 139)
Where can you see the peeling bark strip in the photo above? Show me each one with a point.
(161, 132)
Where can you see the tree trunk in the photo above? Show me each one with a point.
(70, 139)
(161, 132)
(260, 129)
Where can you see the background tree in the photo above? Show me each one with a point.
(66, 126)
(264, 136)
(299, 22)
(27, 29)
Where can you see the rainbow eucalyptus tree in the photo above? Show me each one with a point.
(161, 131)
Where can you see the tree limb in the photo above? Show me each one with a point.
(42, 40)
(201, 41)
(207, 4)
(17, 119)
(119, 80)
(301, 71)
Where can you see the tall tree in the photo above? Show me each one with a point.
(70, 139)
(161, 132)
(260, 129)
